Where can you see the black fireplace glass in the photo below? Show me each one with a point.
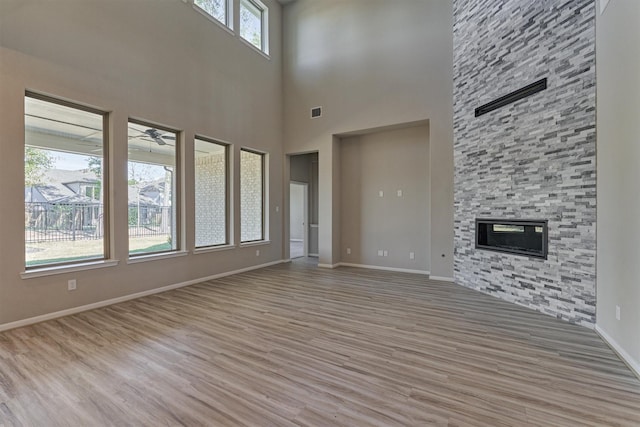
(516, 236)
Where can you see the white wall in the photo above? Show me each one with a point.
(618, 127)
(370, 64)
(156, 60)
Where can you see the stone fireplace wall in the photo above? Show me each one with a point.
(533, 159)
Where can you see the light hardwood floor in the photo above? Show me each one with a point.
(295, 345)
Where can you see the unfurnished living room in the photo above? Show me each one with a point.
(319, 213)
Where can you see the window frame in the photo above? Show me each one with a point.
(263, 165)
(106, 199)
(227, 189)
(228, 14)
(177, 184)
(264, 25)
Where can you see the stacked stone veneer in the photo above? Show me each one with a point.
(210, 173)
(534, 159)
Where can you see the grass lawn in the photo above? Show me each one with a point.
(58, 252)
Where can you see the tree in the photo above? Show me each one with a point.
(251, 26)
(140, 173)
(36, 163)
(95, 166)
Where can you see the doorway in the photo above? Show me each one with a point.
(298, 219)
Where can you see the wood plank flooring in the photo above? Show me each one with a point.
(292, 345)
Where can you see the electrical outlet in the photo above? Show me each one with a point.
(380, 252)
(412, 255)
(385, 253)
(277, 208)
(617, 312)
(399, 193)
(348, 251)
(71, 285)
(257, 252)
(380, 193)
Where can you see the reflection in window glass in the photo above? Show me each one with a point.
(63, 183)
(210, 170)
(152, 189)
(251, 196)
(251, 22)
(214, 8)
(503, 228)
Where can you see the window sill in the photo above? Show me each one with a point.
(260, 51)
(258, 243)
(206, 250)
(214, 20)
(50, 271)
(155, 257)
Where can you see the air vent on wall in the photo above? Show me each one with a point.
(316, 112)
(514, 96)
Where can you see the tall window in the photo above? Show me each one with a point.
(152, 189)
(253, 23)
(64, 183)
(251, 196)
(211, 184)
(218, 9)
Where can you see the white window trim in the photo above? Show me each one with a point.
(156, 257)
(265, 197)
(255, 243)
(208, 249)
(228, 26)
(179, 196)
(50, 271)
(264, 27)
(255, 49)
(83, 263)
(229, 194)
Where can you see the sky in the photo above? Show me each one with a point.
(72, 162)
(68, 161)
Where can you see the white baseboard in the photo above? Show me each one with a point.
(329, 265)
(99, 304)
(442, 279)
(626, 357)
(377, 267)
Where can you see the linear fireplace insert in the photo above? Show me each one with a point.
(514, 236)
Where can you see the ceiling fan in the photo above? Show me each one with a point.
(156, 136)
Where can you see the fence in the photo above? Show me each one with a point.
(53, 222)
(149, 220)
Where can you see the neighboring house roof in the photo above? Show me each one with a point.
(58, 186)
(151, 193)
(63, 186)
